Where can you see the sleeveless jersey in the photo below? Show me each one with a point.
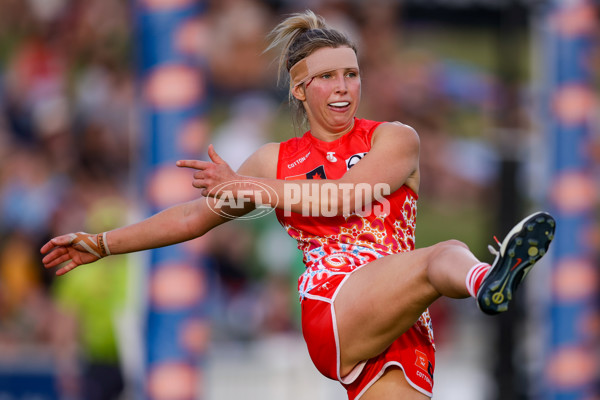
(309, 158)
(340, 244)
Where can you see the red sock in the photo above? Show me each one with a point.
(475, 277)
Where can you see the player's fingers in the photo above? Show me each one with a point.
(66, 268)
(53, 262)
(47, 247)
(199, 175)
(199, 184)
(63, 240)
(202, 186)
(214, 156)
(56, 252)
(195, 164)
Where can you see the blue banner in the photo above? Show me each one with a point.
(173, 102)
(571, 367)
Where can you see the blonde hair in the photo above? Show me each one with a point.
(300, 35)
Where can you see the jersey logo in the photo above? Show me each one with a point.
(317, 173)
(354, 159)
(423, 362)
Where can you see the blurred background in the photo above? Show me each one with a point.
(98, 98)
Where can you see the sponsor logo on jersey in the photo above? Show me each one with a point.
(353, 159)
(317, 173)
(299, 161)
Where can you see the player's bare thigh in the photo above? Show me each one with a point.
(378, 303)
(392, 386)
(382, 300)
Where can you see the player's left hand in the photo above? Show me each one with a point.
(210, 175)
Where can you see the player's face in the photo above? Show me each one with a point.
(332, 99)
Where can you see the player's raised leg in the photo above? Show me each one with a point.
(385, 298)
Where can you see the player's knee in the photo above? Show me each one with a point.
(448, 246)
(455, 243)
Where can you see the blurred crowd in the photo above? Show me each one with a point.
(66, 132)
(69, 141)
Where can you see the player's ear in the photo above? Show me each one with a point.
(298, 92)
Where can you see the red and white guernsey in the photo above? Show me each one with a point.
(340, 244)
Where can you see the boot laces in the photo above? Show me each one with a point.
(492, 249)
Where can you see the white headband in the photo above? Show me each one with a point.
(323, 60)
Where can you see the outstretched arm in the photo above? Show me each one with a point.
(176, 224)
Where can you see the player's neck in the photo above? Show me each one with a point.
(328, 134)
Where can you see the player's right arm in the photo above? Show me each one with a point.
(173, 225)
(176, 224)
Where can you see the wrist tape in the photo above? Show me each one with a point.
(93, 244)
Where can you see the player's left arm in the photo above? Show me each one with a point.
(392, 162)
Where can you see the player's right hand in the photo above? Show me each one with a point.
(77, 248)
(210, 175)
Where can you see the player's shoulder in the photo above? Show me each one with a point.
(396, 131)
(263, 162)
(397, 127)
(268, 153)
(269, 149)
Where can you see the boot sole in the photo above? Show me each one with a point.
(524, 245)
